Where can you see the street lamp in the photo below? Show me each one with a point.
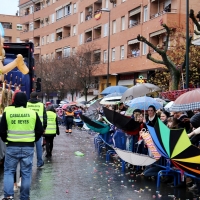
(108, 65)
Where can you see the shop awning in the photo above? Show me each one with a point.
(135, 11)
(126, 82)
(157, 33)
(89, 98)
(133, 41)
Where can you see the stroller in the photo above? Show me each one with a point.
(77, 120)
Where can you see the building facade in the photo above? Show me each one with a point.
(58, 28)
(12, 27)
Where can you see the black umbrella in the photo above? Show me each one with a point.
(120, 121)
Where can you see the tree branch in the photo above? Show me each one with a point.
(143, 39)
(195, 20)
(154, 60)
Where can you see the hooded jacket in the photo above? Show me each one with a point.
(35, 100)
(20, 101)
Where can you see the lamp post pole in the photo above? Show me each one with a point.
(187, 45)
(33, 19)
(108, 65)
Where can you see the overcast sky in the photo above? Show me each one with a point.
(8, 7)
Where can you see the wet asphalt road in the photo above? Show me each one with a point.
(68, 177)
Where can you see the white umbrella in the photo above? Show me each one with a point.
(134, 158)
(138, 91)
(111, 99)
(168, 106)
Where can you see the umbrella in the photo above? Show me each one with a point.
(95, 105)
(113, 89)
(168, 106)
(187, 101)
(94, 125)
(143, 103)
(134, 158)
(120, 121)
(161, 101)
(175, 145)
(68, 104)
(139, 90)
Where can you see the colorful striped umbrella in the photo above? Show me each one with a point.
(175, 145)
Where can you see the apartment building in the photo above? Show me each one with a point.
(12, 27)
(58, 27)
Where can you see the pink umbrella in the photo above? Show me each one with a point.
(187, 101)
(68, 104)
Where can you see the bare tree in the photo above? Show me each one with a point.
(194, 19)
(170, 55)
(85, 62)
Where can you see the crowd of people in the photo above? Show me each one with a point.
(174, 120)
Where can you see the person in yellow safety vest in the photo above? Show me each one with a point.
(35, 104)
(52, 129)
(20, 128)
(69, 114)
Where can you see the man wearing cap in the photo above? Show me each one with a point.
(19, 128)
(35, 104)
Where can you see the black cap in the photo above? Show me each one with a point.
(34, 95)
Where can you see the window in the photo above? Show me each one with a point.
(47, 39)
(81, 17)
(122, 52)
(145, 14)
(73, 51)
(74, 30)
(113, 54)
(66, 52)
(30, 26)
(59, 14)
(52, 18)
(123, 1)
(74, 7)
(105, 30)
(52, 37)
(105, 56)
(81, 39)
(18, 40)
(106, 3)
(42, 40)
(123, 23)
(144, 50)
(31, 9)
(19, 27)
(114, 27)
(67, 9)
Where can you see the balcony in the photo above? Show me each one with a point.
(97, 33)
(66, 31)
(7, 25)
(161, 7)
(88, 36)
(133, 48)
(88, 12)
(134, 17)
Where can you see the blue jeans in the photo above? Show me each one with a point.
(39, 152)
(23, 155)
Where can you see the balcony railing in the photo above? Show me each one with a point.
(163, 12)
(133, 24)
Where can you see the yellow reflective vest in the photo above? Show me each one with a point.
(51, 123)
(21, 124)
(37, 107)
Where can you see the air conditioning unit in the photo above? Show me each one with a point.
(47, 19)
